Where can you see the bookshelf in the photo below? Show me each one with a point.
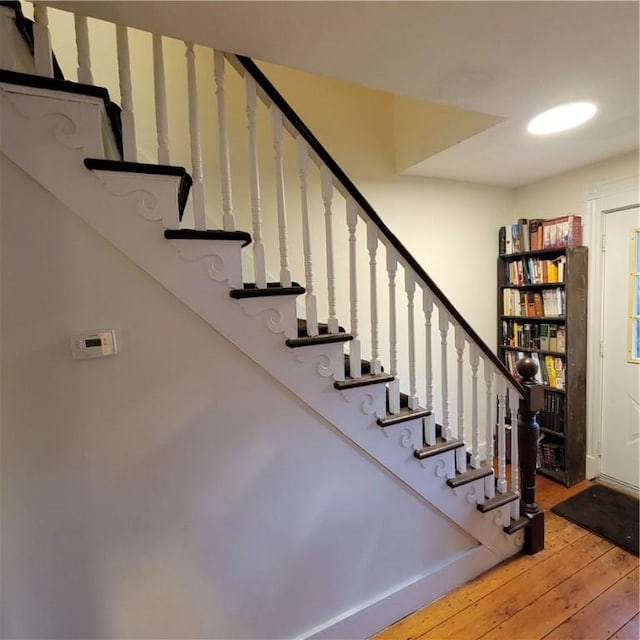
(542, 313)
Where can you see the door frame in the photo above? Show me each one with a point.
(600, 199)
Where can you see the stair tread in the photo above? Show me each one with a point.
(323, 328)
(404, 415)
(498, 501)
(100, 164)
(250, 290)
(517, 525)
(209, 234)
(439, 447)
(364, 380)
(469, 476)
(329, 338)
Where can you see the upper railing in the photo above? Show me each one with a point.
(250, 155)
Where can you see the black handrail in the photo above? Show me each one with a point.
(276, 97)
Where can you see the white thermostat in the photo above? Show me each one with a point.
(93, 344)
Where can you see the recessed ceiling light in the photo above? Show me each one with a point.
(560, 118)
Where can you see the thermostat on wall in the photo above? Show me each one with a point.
(93, 344)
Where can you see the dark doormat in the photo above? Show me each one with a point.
(608, 513)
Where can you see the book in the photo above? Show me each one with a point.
(565, 231)
(544, 337)
(525, 241)
(538, 305)
(550, 366)
(502, 240)
(536, 359)
(561, 339)
(535, 234)
(553, 337)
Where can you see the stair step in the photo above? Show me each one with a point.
(323, 328)
(294, 343)
(250, 290)
(469, 476)
(499, 501)
(365, 366)
(404, 415)
(99, 164)
(209, 234)
(363, 381)
(517, 525)
(435, 449)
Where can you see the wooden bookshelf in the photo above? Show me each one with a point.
(562, 448)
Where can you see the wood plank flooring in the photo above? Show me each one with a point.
(580, 587)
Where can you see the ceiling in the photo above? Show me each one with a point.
(501, 61)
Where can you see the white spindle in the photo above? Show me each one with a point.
(160, 95)
(443, 319)
(474, 360)
(228, 222)
(515, 461)
(327, 199)
(501, 485)
(461, 453)
(84, 52)
(430, 423)
(278, 141)
(355, 360)
(372, 248)
(129, 147)
(254, 179)
(7, 39)
(42, 41)
(410, 290)
(489, 487)
(199, 216)
(309, 298)
(394, 386)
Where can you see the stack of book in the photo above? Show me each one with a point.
(533, 304)
(551, 456)
(538, 233)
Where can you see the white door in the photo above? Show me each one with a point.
(621, 370)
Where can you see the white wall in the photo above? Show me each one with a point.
(174, 490)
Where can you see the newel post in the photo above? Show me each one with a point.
(528, 432)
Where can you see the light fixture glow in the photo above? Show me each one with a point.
(561, 118)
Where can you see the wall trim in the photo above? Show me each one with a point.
(377, 614)
(598, 198)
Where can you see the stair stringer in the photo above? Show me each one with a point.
(131, 212)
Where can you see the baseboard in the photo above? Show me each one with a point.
(380, 612)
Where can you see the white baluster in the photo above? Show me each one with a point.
(42, 41)
(515, 461)
(199, 216)
(461, 453)
(372, 248)
(501, 486)
(443, 319)
(310, 297)
(410, 290)
(254, 179)
(327, 199)
(160, 95)
(474, 360)
(489, 486)
(394, 386)
(84, 52)
(355, 359)
(430, 421)
(228, 222)
(129, 146)
(276, 123)
(7, 39)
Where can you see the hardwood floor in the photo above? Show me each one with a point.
(580, 587)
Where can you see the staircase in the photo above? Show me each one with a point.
(415, 407)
